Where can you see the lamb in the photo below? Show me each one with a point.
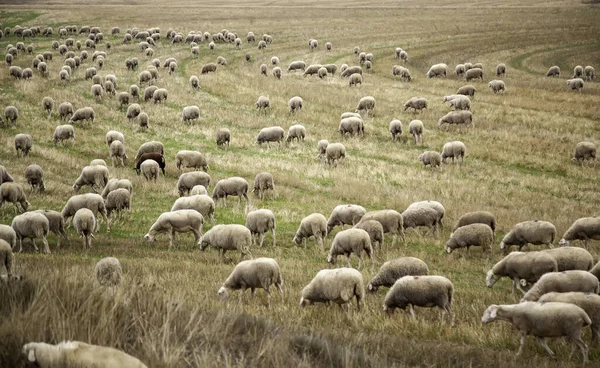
(65, 109)
(190, 179)
(232, 237)
(150, 147)
(35, 177)
(437, 70)
(471, 235)
(416, 129)
(590, 73)
(393, 270)
(6, 257)
(519, 266)
(430, 158)
(270, 134)
(295, 104)
(84, 113)
(572, 258)
(209, 68)
(457, 117)
(78, 354)
(355, 79)
(339, 285)
(421, 291)
(467, 90)
(13, 192)
(23, 144)
(31, 225)
(335, 153)
(262, 103)
(92, 201)
(118, 200)
(542, 320)
(456, 149)
(367, 104)
(395, 129)
(259, 273)
(584, 151)
(500, 70)
(351, 70)
(259, 222)
(56, 223)
(553, 71)
(263, 181)
(84, 222)
(391, 221)
(223, 137)
(575, 84)
(529, 232)
(8, 235)
(374, 229)
(474, 73)
(352, 125)
(590, 303)
(296, 131)
(415, 103)
(234, 186)
(497, 85)
(94, 176)
(190, 159)
(578, 71)
(277, 72)
(420, 216)
(585, 228)
(160, 95)
(345, 214)
(48, 105)
(181, 221)
(477, 217)
(562, 282)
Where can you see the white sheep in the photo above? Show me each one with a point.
(94, 176)
(198, 190)
(322, 148)
(295, 103)
(114, 184)
(223, 137)
(367, 104)
(416, 103)
(232, 237)
(113, 135)
(234, 186)
(575, 84)
(585, 228)
(562, 282)
(477, 217)
(259, 222)
(471, 235)
(335, 153)
(199, 202)
(467, 90)
(345, 214)
(190, 179)
(35, 177)
(374, 229)
(297, 132)
(150, 169)
(118, 200)
(57, 224)
(339, 286)
(518, 266)
(270, 134)
(434, 205)
(393, 270)
(571, 258)
(23, 144)
(259, 273)
(474, 73)
(6, 257)
(497, 86)
(416, 129)
(529, 232)
(455, 149)
(553, 71)
(190, 113)
(352, 125)
(8, 235)
(31, 225)
(437, 70)
(62, 133)
(13, 192)
(109, 272)
(421, 217)
(263, 103)
(190, 159)
(391, 221)
(263, 181)
(83, 114)
(312, 225)
(118, 152)
(350, 241)
(84, 222)
(431, 158)
(92, 201)
(395, 128)
(181, 221)
(457, 117)
(590, 303)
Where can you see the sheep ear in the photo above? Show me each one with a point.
(31, 355)
(494, 312)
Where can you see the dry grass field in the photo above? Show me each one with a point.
(167, 312)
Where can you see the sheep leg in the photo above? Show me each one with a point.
(34, 246)
(542, 341)
(403, 237)
(523, 339)
(578, 342)
(360, 261)
(348, 261)
(261, 236)
(171, 235)
(274, 237)
(411, 310)
(587, 244)
(46, 246)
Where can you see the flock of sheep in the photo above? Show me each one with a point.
(564, 279)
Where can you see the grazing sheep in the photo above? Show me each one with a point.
(172, 65)
(322, 72)
(590, 73)
(584, 151)
(221, 61)
(108, 272)
(421, 216)
(529, 232)
(5, 176)
(575, 84)
(150, 147)
(590, 303)
(277, 72)
(519, 266)
(474, 73)
(500, 70)
(43, 68)
(296, 65)
(198, 190)
(430, 158)
(416, 129)
(93, 202)
(367, 104)
(312, 225)
(6, 257)
(572, 258)
(339, 285)
(352, 125)
(160, 95)
(150, 168)
(84, 222)
(459, 69)
(263, 181)
(331, 68)
(233, 186)
(31, 225)
(585, 228)
(345, 214)
(56, 222)
(35, 177)
(23, 144)
(97, 91)
(562, 282)
(223, 137)
(143, 120)
(198, 202)
(117, 200)
(391, 221)
(190, 113)
(467, 90)
(113, 135)
(395, 129)
(8, 235)
(259, 222)
(402, 72)
(209, 68)
(263, 69)
(84, 113)
(578, 71)
(543, 320)
(434, 205)
(460, 102)
(13, 192)
(456, 149)
(65, 109)
(374, 229)
(553, 71)
(457, 117)
(262, 103)
(259, 273)
(355, 79)
(497, 85)
(270, 134)
(114, 184)
(351, 70)
(190, 159)
(48, 105)
(322, 148)
(393, 270)
(415, 103)
(195, 82)
(232, 237)
(469, 236)
(437, 70)
(262, 45)
(95, 177)
(190, 179)
(295, 103)
(335, 153)
(297, 132)
(11, 114)
(15, 71)
(477, 217)
(420, 291)
(158, 158)
(181, 221)
(117, 151)
(149, 92)
(78, 354)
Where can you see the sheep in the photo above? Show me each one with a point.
(149, 92)
(221, 61)
(117, 151)
(367, 104)
(467, 90)
(313, 44)
(456, 149)
(190, 179)
(434, 205)
(108, 272)
(232, 237)
(572, 258)
(113, 135)
(270, 134)
(198, 190)
(585, 228)
(543, 320)
(234, 186)
(11, 114)
(497, 85)
(259, 222)
(23, 144)
(584, 151)
(190, 159)
(262, 45)
(114, 184)
(393, 270)
(56, 224)
(13, 192)
(43, 68)
(152, 171)
(474, 73)
(431, 158)
(374, 229)
(578, 71)
(97, 91)
(331, 68)
(312, 225)
(118, 200)
(416, 129)
(194, 82)
(355, 79)
(150, 168)
(590, 73)
(437, 70)
(297, 132)
(84, 113)
(15, 71)
(160, 95)
(575, 84)
(6, 257)
(172, 64)
(345, 214)
(223, 137)
(209, 68)
(144, 77)
(93, 176)
(143, 120)
(351, 70)
(335, 153)
(395, 129)
(98, 162)
(415, 103)
(198, 202)
(64, 110)
(92, 201)
(322, 72)
(84, 222)
(402, 72)
(500, 70)
(181, 221)
(296, 65)
(189, 113)
(277, 72)
(253, 274)
(77, 354)
(421, 216)
(457, 117)
(295, 103)
(459, 69)
(470, 235)
(477, 217)
(460, 102)
(352, 125)
(522, 268)
(263, 69)
(5, 176)
(9, 60)
(339, 285)
(322, 148)
(31, 225)
(562, 282)
(391, 221)
(8, 235)
(263, 181)
(362, 57)
(35, 177)
(590, 303)
(248, 57)
(529, 232)
(150, 147)
(343, 67)
(553, 71)
(262, 103)
(48, 105)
